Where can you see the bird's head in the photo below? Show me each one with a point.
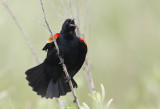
(68, 26)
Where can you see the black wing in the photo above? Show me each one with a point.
(82, 51)
(48, 46)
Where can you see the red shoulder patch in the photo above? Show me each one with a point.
(83, 41)
(56, 35)
(51, 39)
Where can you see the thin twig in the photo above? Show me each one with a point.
(22, 30)
(28, 42)
(87, 63)
(89, 73)
(60, 103)
(61, 59)
(87, 18)
(78, 21)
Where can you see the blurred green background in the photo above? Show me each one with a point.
(123, 43)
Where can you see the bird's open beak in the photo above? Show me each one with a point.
(72, 25)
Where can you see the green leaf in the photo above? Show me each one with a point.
(71, 106)
(103, 92)
(109, 102)
(99, 98)
(85, 106)
(93, 98)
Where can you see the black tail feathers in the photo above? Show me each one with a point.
(37, 79)
(45, 87)
(59, 88)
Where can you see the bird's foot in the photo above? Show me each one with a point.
(67, 79)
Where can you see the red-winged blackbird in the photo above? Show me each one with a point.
(48, 79)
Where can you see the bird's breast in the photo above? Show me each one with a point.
(70, 56)
(69, 50)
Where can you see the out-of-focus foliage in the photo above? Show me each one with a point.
(97, 100)
(123, 47)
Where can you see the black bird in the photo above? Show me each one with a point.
(48, 79)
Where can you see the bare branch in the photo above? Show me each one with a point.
(87, 18)
(61, 59)
(89, 73)
(87, 63)
(60, 103)
(28, 42)
(78, 21)
(22, 30)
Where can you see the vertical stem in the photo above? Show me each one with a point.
(61, 59)
(89, 73)
(22, 30)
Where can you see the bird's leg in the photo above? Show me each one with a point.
(67, 79)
